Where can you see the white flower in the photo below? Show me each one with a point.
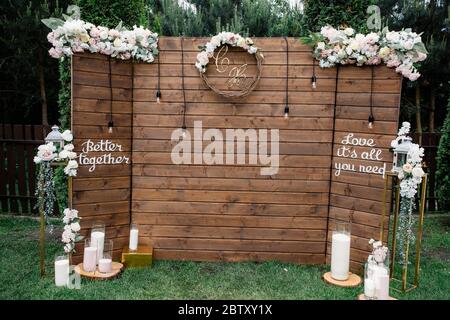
(202, 58)
(252, 49)
(349, 31)
(69, 147)
(117, 42)
(71, 168)
(407, 167)
(321, 45)
(37, 160)
(418, 172)
(46, 152)
(75, 226)
(67, 135)
(401, 175)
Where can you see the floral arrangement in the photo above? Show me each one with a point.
(46, 154)
(410, 177)
(379, 252)
(70, 234)
(75, 35)
(397, 49)
(223, 38)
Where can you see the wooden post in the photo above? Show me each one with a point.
(42, 224)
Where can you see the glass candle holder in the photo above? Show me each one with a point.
(105, 262)
(98, 239)
(90, 256)
(340, 251)
(369, 281)
(381, 280)
(134, 237)
(61, 270)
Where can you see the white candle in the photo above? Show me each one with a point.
(369, 288)
(134, 238)
(340, 256)
(381, 279)
(98, 240)
(105, 265)
(90, 259)
(61, 272)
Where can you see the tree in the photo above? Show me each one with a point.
(352, 13)
(443, 165)
(28, 74)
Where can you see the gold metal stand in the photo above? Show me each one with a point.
(405, 286)
(42, 220)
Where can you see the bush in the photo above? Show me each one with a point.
(443, 165)
(336, 13)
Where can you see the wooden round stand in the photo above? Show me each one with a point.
(353, 280)
(363, 297)
(96, 275)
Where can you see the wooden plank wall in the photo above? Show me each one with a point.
(359, 195)
(102, 196)
(231, 212)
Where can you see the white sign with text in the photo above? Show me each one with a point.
(105, 146)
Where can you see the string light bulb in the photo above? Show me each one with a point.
(314, 82)
(183, 132)
(286, 112)
(110, 126)
(158, 96)
(371, 121)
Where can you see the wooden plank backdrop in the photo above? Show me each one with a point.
(231, 212)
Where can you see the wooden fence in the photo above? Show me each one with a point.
(17, 170)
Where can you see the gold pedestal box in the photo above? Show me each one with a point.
(142, 257)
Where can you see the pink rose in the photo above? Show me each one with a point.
(55, 53)
(51, 37)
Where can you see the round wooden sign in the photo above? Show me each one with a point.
(353, 280)
(97, 275)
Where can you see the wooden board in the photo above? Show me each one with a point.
(231, 212)
(97, 275)
(353, 280)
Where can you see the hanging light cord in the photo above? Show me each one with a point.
(314, 78)
(286, 108)
(371, 119)
(182, 84)
(158, 90)
(110, 123)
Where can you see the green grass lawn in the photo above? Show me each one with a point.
(19, 273)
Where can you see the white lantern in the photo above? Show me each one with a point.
(55, 137)
(401, 153)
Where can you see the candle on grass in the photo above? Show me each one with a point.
(61, 271)
(340, 251)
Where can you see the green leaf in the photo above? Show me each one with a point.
(53, 23)
(421, 47)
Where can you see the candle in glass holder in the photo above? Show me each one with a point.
(98, 239)
(61, 271)
(134, 237)
(381, 279)
(105, 262)
(340, 251)
(90, 256)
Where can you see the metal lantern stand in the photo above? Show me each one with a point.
(395, 182)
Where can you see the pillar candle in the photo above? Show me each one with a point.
(369, 288)
(340, 256)
(61, 272)
(90, 259)
(134, 238)
(98, 240)
(105, 265)
(381, 279)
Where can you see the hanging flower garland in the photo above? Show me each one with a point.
(397, 49)
(75, 35)
(72, 227)
(45, 191)
(410, 176)
(223, 38)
